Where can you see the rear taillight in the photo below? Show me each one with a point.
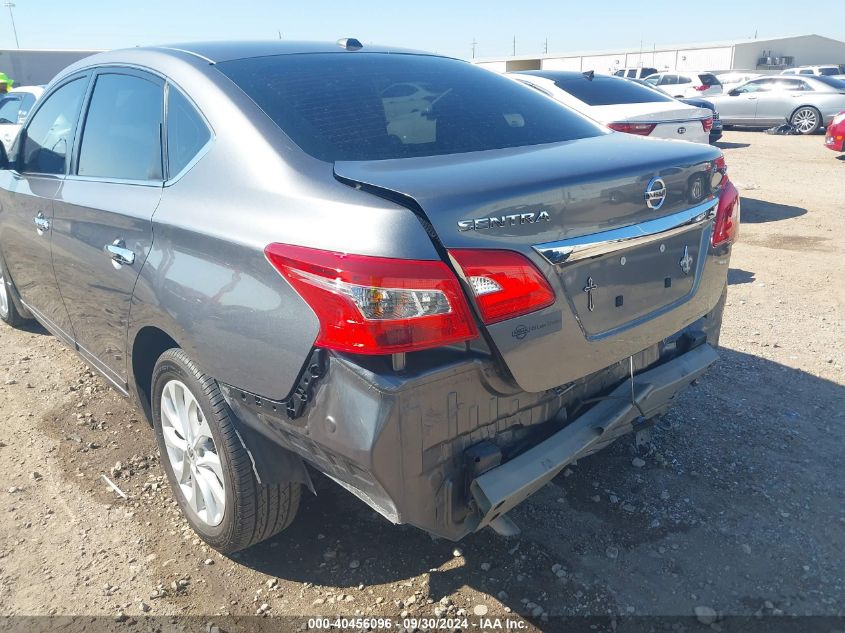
(726, 226)
(505, 284)
(641, 129)
(702, 87)
(376, 305)
(707, 124)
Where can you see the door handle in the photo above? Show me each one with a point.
(120, 254)
(42, 224)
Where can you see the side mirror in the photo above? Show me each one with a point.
(734, 92)
(4, 158)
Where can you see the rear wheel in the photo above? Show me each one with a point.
(209, 470)
(8, 312)
(807, 120)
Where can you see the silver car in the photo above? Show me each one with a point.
(439, 302)
(808, 103)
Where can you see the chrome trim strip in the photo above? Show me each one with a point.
(662, 121)
(598, 244)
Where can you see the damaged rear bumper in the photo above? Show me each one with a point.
(504, 487)
(448, 444)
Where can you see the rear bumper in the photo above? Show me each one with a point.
(502, 488)
(450, 443)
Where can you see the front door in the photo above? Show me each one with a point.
(27, 190)
(102, 227)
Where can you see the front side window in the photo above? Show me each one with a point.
(9, 108)
(373, 106)
(121, 138)
(757, 86)
(187, 133)
(50, 131)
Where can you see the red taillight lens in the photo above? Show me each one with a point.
(701, 88)
(707, 124)
(505, 284)
(376, 305)
(641, 129)
(726, 226)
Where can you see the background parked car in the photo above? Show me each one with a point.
(14, 107)
(622, 104)
(828, 70)
(635, 73)
(808, 102)
(717, 129)
(684, 84)
(835, 137)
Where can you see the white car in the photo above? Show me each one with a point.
(685, 85)
(14, 108)
(640, 72)
(622, 105)
(829, 70)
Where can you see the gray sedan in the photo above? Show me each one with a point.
(808, 103)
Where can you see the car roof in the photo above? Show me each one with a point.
(221, 51)
(34, 90)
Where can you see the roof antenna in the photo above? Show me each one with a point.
(350, 44)
(589, 75)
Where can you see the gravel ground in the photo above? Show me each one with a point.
(738, 508)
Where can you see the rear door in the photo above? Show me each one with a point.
(740, 105)
(102, 223)
(775, 105)
(27, 191)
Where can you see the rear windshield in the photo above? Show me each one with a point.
(609, 91)
(374, 106)
(829, 70)
(709, 80)
(838, 84)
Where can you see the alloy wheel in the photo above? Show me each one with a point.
(4, 296)
(192, 453)
(805, 120)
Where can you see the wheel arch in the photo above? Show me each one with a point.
(149, 343)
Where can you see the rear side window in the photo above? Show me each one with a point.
(609, 91)
(669, 80)
(121, 138)
(683, 79)
(48, 136)
(372, 106)
(187, 133)
(709, 80)
(645, 72)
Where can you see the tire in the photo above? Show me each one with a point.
(806, 119)
(8, 311)
(248, 512)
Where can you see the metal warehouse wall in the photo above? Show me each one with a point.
(33, 68)
(807, 50)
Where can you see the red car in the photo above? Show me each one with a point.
(835, 137)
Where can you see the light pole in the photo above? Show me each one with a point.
(14, 29)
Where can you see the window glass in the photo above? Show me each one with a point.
(829, 70)
(9, 108)
(333, 105)
(806, 71)
(708, 79)
(608, 91)
(26, 105)
(669, 80)
(186, 132)
(761, 85)
(653, 80)
(645, 72)
(683, 79)
(48, 135)
(121, 137)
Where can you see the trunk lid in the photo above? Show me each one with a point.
(568, 197)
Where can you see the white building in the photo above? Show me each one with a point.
(769, 54)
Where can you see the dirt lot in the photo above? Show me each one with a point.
(739, 508)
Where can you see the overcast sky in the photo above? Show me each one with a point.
(436, 25)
